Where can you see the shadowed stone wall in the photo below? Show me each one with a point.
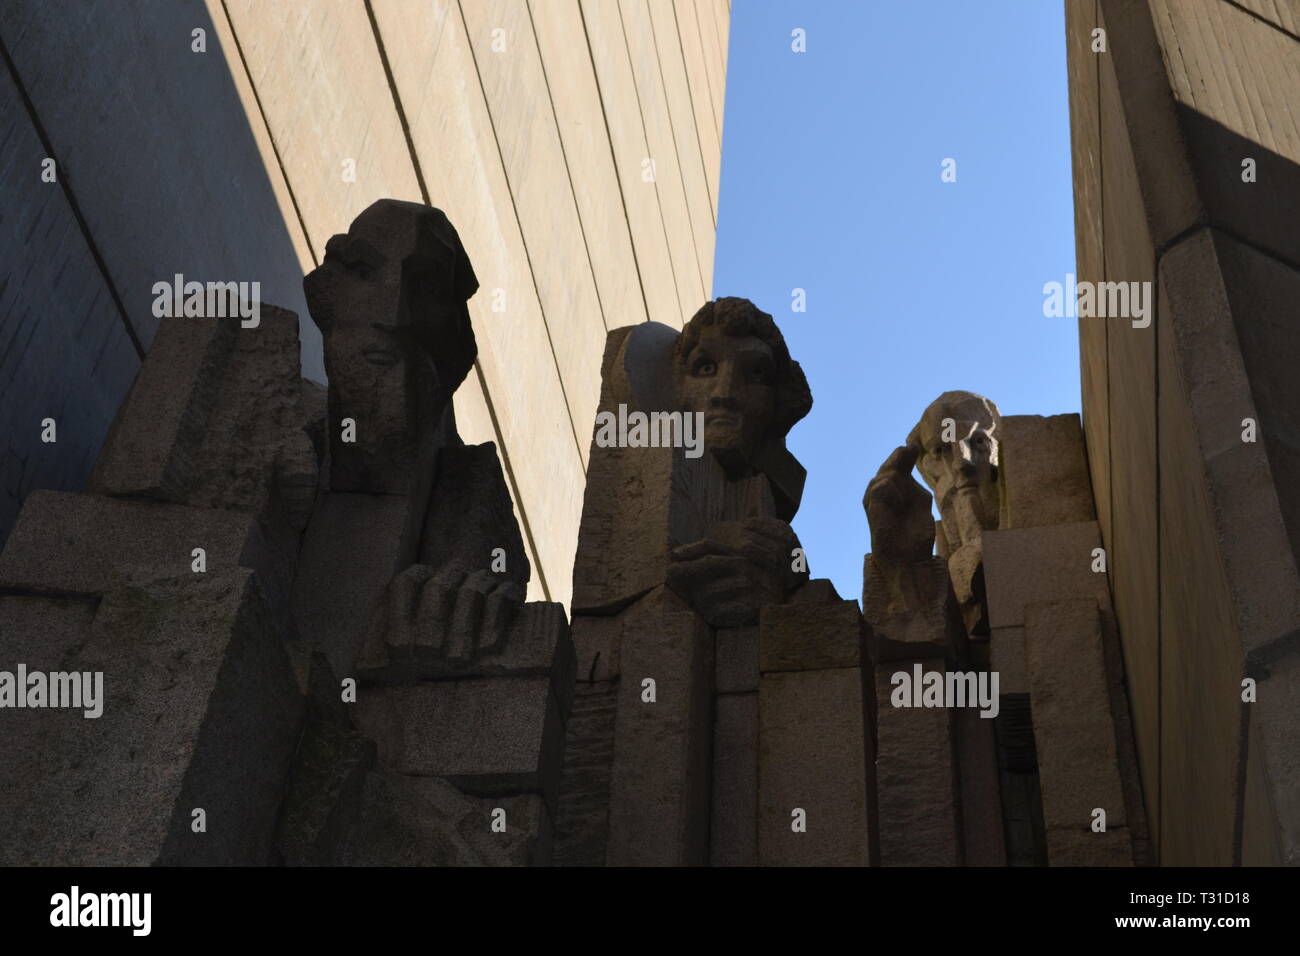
(530, 121)
(1186, 144)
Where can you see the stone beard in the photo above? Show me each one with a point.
(957, 441)
(389, 299)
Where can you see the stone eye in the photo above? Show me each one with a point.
(706, 367)
(357, 267)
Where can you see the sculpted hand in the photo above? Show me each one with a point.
(738, 568)
(450, 615)
(898, 511)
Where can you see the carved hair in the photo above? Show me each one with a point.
(738, 317)
(945, 406)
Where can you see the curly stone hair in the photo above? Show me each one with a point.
(739, 317)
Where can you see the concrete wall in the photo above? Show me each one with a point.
(1200, 525)
(529, 122)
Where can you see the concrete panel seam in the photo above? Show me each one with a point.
(478, 370)
(270, 134)
(1262, 19)
(568, 411)
(706, 284)
(713, 107)
(691, 96)
(609, 137)
(681, 306)
(568, 170)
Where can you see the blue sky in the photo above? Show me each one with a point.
(831, 164)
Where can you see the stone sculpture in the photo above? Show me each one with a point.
(306, 607)
(1021, 788)
(300, 613)
(957, 456)
(414, 574)
(701, 643)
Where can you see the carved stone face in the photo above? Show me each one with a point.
(731, 380)
(959, 461)
(384, 292)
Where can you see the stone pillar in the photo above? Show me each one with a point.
(660, 778)
(916, 747)
(1051, 615)
(815, 754)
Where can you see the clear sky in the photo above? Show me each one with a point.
(831, 164)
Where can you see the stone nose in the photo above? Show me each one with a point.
(727, 382)
(965, 455)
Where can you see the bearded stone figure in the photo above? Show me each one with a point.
(957, 443)
(924, 610)
(389, 299)
(413, 577)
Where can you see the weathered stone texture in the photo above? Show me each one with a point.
(926, 624)
(216, 420)
(424, 821)
(736, 651)
(1084, 847)
(916, 779)
(1075, 736)
(472, 508)
(1043, 472)
(733, 834)
(352, 548)
(812, 756)
(660, 780)
(582, 820)
(983, 839)
(487, 736)
(800, 637)
(329, 772)
(200, 711)
(87, 544)
(1038, 564)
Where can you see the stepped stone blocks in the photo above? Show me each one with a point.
(305, 610)
(1020, 597)
(814, 779)
(200, 712)
(1186, 153)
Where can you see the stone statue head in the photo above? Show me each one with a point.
(389, 299)
(731, 363)
(957, 455)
